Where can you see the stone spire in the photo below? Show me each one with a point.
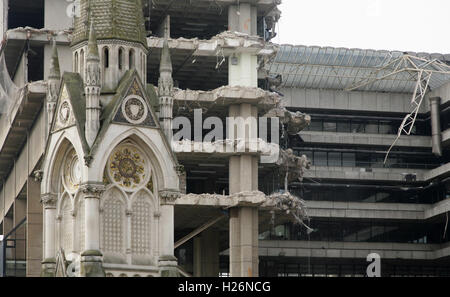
(114, 19)
(165, 91)
(92, 83)
(54, 72)
(54, 78)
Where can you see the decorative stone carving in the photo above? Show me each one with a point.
(49, 200)
(128, 168)
(88, 160)
(180, 170)
(64, 112)
(92, 190)
(38, 175)
(134, 109)
(168, 196)
(72, 172)
(113, 223)
(140, 225)
(64, 116)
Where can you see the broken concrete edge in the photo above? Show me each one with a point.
(226, 147)
(227, 41)
(246, 198)
(40, 35)
(229, 95)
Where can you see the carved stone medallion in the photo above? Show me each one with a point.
(64, 112)
(134, 109)
(128, 168)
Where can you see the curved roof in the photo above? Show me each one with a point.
(345, 68)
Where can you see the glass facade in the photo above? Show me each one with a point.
(369, 126)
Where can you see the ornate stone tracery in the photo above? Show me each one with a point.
(113, 229)
(71, 174)
(128, 168)
(66, 230)
(141, 225)
(134, 109)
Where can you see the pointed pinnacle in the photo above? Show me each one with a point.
(54, 72)
(92, 53)
(166, 62)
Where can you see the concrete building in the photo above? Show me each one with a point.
(359, 204)
(95, 179)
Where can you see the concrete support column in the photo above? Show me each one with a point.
(34, 228)
(435, 104)
(20, 209)
(244, 242)
(243, 168)
(243, 177)
(243, 66)
(49, 263)
(206, 254)
(91, 257)
(167, 261)
(243, 18)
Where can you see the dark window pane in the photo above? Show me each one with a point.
(329, 126)
(386, 128)
(320, 159)
(372, 127)
(343, 127)
(334, 159)
(357, 127)
(316, 125)
(348, 159)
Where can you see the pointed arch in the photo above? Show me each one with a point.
(113, 207)
(131, 59)
(106, 57)
(75, 68)
(54, 159)
(162, 161)
(143, 227)
(82, 63)
(120, 59)
(66, 224)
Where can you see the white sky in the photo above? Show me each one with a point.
(405, 25)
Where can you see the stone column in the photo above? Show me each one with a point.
(91, 257)
(49, 264)
(167, 261)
